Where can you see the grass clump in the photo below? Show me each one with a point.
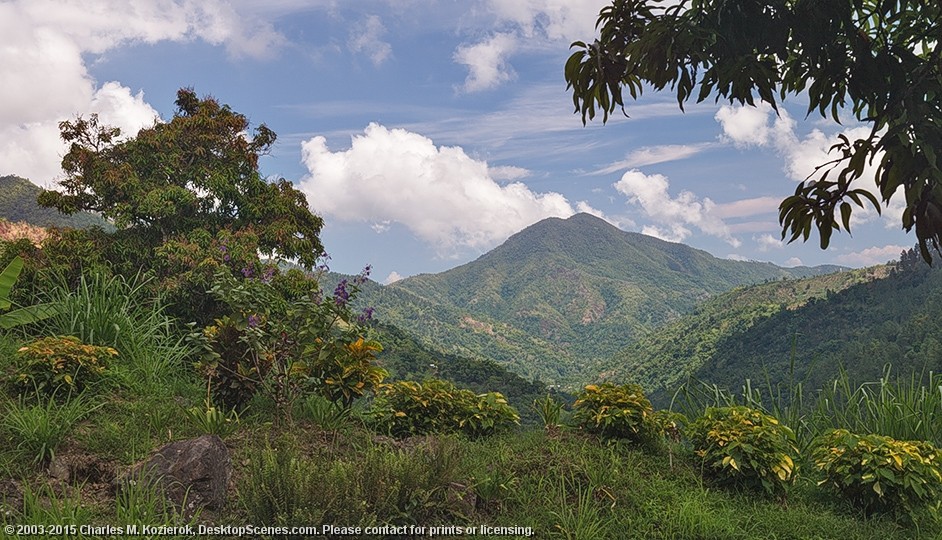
(37, 429)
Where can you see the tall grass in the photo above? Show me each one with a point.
(905, 409)
(124, 314)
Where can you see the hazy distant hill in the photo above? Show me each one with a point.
(561, 294)
(18, 203)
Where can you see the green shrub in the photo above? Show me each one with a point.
(48, 363)
(615, 412)
(435, 406)
(745, 446)
(229, 365)
(213, 420)
(877, 473)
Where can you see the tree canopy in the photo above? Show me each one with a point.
(877, 61)
(199, 171)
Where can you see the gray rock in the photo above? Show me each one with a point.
(192, 474)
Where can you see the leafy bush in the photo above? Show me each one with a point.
(745, 446)
(408, 408)
(49, 363)
(877, 473)
(288, 345)
(616, 412)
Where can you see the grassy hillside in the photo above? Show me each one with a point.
(18, 203)
(895, 321)
(561, 294)
(664, 357)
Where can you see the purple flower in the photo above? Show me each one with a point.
(254, 320)
(269, 273)
(363, 276)
(323, 266)
(367, 315)
(247, 272)
(340, 293)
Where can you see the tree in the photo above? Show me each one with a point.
(186, 197)
(197, 172)
(879, 61)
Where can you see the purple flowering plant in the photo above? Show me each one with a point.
(299, 340)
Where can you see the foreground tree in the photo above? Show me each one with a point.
(877, 61)
(185, 196)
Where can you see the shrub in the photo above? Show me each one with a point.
(877, 473)
(435, 406)
(50, 362)
(616, 412)
(744, 446)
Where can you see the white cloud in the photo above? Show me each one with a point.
(393, 277)
(381, 227)
(651, 193)
(793, 262)
(736, 257)
(767, 242)
(747, 127)
(748, 207)
(872, 255)
(650, 155)
(442, 195)
(557, 20)
(366, 38)
(44, 45)
(487, 62)
(508, 172)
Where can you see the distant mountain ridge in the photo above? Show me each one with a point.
(561, 294)
(18, 203)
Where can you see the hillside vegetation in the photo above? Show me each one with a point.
(18, 203)
(667, 355)
(562, 294)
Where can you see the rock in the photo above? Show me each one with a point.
(193, 474)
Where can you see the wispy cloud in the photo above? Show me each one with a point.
(872, 255)
(650, 155)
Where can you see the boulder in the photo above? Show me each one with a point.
(192, 474)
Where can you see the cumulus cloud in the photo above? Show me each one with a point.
(445, 197)
(487, 62)
(748, 127)
(793, 262)
(672, 215)
(508, 172)
(767, 242)
(44, 45)
(392, 277)
(872, 255)
(366, 38)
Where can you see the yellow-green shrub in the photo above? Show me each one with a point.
(408, 408)
(744, 446)
(617, 412)
(877, 473)
(48, 363)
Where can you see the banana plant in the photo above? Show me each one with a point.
(23, 315)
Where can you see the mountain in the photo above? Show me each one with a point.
(561, 294)
(666, 356)
(18, 203)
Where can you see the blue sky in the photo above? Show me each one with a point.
(424, 132)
